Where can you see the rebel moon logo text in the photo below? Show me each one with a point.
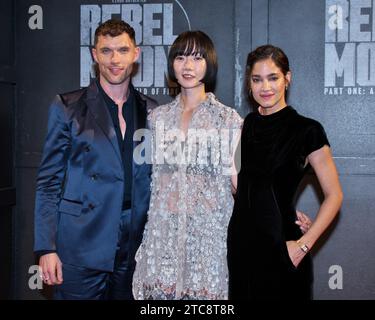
(349, 47)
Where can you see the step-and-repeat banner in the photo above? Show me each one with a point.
(331, 46)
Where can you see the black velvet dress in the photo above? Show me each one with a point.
(273, 154)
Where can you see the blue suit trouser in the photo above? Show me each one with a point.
(81, 283)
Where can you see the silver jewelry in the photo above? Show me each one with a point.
(303, 247)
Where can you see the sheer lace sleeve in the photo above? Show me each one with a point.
(183, 252)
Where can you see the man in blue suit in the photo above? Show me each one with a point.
(92, 197)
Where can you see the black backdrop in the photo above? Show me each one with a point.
(39, 63)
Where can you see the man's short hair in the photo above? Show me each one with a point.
(114, 28)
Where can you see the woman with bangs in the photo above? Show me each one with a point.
(183, 251)
(183, 254)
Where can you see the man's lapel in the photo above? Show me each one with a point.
(98, 108)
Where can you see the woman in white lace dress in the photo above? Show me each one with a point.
(183, 253)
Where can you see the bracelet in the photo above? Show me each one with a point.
(303, 247)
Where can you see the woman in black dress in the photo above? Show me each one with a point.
(277, 147)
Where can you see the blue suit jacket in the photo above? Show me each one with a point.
(80, 182)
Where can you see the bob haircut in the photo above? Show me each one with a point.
(195, 43)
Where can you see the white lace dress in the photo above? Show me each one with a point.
(183, 254)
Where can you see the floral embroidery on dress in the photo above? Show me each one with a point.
(183, 254)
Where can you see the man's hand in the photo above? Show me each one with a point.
(51, 269)
(303, 221)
